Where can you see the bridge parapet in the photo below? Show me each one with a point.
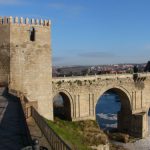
(95, 77)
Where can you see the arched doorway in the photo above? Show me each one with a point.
(62, 106)
(113, 110)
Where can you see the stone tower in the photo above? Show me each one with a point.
(25, 60)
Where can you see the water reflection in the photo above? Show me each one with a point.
(106, 110)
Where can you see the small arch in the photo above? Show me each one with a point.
(32, 34)
(62, 106)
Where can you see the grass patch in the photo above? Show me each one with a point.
(80, 135)
(69, 132)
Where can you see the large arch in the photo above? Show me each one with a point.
(121, 91)
(66, 110)
(125, 114)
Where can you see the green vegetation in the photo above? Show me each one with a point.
(59, 83)
(81, 135)
(70, 83)
(70, 132)
(78, 82)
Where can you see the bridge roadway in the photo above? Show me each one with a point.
(13, 133)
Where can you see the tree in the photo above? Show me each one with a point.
(135, 69)
(147, 68)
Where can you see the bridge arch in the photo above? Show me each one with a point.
(66, 110)
(125, 113)
(124, 95)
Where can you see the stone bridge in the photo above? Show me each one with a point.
(81, 95)
(26, 67)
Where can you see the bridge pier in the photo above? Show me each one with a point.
(139, 125)
(124, 120)
(135, 125)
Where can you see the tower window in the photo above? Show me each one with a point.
(32, 34)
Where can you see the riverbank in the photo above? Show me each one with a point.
(82, 135)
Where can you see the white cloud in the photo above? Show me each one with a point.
(56, 5)
(6, 2)
(57, 59)
(69, 8)
(11, 2)
(96, 54)
(147, 47)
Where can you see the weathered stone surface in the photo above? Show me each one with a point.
(84, 93)
(26, 65)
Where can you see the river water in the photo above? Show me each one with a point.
(106, 110)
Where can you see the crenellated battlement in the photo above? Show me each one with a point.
(24, 21)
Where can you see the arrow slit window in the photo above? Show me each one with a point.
(32, 34)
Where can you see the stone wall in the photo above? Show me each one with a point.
(4, 52)
(31, 64)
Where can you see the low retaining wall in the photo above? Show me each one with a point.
(55, 141)
(29, 108)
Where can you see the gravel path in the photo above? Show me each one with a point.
(142, 144)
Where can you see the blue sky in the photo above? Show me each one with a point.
(88, 32)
